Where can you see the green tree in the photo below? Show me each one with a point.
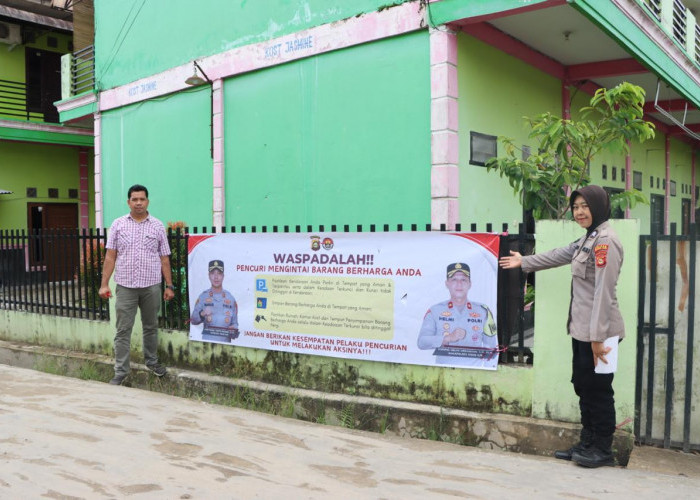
(565, 148)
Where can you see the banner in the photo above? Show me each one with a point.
(418, 298)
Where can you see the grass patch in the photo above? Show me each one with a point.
(49, 364)
(89, 371)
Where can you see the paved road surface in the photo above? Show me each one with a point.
(67, 438)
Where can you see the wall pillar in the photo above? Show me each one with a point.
(667, 191)
(693, 201)
(84, 193)
(565, 100)
(628, 176)
(219, 192)
(99, 205)
(444, 125)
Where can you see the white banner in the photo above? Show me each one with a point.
(418, 298)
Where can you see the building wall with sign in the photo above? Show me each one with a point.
(310, 135)
(126, 31)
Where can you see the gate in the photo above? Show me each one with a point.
(666, 399)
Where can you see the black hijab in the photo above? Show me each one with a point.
(598, 203)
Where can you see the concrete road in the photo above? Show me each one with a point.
(66, 438)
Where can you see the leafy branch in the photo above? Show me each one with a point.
(565, 148)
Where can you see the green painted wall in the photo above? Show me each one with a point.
(51, 167)
(553, 396)
(495, 92)
(163, 144)
(340, 138)
(128, 31)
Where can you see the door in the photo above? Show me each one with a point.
(53, 245)
(657, 213)
(43, 77)
(685, 216)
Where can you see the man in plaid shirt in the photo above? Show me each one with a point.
(138, 247)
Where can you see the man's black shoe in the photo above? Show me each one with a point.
(117, 380)
(157, 369)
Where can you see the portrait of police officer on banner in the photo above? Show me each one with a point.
(460, 332)
(216, 308)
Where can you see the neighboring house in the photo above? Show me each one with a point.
(46, 166)
(361, 113)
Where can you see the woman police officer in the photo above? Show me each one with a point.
(594, 316)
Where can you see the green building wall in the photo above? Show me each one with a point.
(553, 395)
(496, 91)
(122, 56)
(165, 145)
(340, 138)
(50, 167)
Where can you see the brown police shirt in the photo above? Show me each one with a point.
(596, 259)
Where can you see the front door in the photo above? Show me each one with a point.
(53, 229)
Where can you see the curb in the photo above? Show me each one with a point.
(404, 419)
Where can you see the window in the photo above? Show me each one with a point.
(622, 174)
(614, 173)
(651, 182)
(31, 192)
(673, 188)
(637, 180)
(72, 193)
(604, 172)
(53, 192)
(482, 148)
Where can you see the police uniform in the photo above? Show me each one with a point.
(596, 259)
(222, 319)
(477, 348)
(594, 316)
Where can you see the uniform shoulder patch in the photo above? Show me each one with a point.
(601, 255)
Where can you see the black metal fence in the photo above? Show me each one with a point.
(53, 272)
(665, 399)
(58, 272)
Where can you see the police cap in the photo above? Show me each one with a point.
(458, 267)
(216, 264)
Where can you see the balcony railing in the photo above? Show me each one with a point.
(654, 8)
(679, 22)
(83, 70)
(13, 101)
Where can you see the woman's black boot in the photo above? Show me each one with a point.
(584, 443)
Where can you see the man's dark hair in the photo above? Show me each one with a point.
(136, 187)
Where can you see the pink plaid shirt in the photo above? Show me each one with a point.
(139, 246)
